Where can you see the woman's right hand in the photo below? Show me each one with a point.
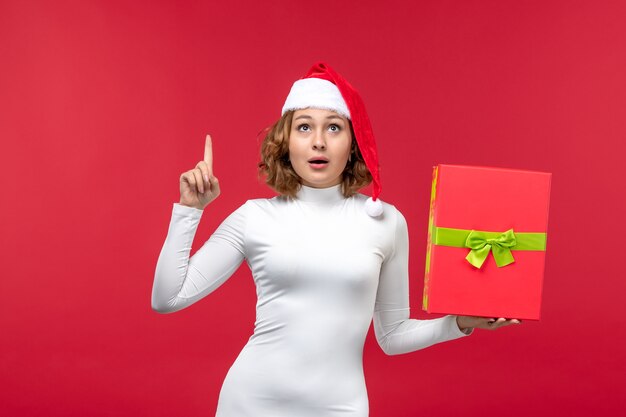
(198, 187)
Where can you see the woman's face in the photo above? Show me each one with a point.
(319, 146)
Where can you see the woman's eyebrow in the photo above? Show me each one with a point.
(304, 116)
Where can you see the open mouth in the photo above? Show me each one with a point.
(318, 161)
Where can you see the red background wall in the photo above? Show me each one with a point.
(104, 103)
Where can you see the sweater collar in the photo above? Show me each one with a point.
(320, 195)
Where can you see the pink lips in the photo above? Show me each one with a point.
(318, 162)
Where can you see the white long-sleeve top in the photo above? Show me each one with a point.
(323, 269)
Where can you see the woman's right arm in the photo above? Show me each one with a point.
(180, 281)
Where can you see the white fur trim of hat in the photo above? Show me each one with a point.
(315, 93)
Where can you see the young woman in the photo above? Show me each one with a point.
(325, 261)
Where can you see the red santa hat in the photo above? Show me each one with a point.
(323, 88)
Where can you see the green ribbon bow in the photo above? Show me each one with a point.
(481, 243)
(480, 246)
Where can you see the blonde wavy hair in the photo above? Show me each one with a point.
(280, 175)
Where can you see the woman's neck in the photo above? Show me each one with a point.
(320, 195)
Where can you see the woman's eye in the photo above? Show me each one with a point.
(334, 128)
(304, 128)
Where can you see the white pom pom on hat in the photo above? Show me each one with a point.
(373, 208)
(324, 88)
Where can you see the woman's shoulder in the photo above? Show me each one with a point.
(390, 212)
(390, 223)
(251, 210)
(266, 202)
(260, 205)
(387, 228)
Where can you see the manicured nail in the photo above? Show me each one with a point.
(206, 178)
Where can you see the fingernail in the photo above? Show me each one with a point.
(206, 178)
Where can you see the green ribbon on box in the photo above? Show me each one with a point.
(481, 243)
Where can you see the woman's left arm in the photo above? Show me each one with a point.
(395, 332)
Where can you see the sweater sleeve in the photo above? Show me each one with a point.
(180, 281)
(395, 332)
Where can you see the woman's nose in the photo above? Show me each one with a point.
(319, 142)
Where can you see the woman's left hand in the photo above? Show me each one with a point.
(468, 322)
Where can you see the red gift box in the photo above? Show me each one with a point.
(496, 219)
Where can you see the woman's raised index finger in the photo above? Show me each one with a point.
(208, 152)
